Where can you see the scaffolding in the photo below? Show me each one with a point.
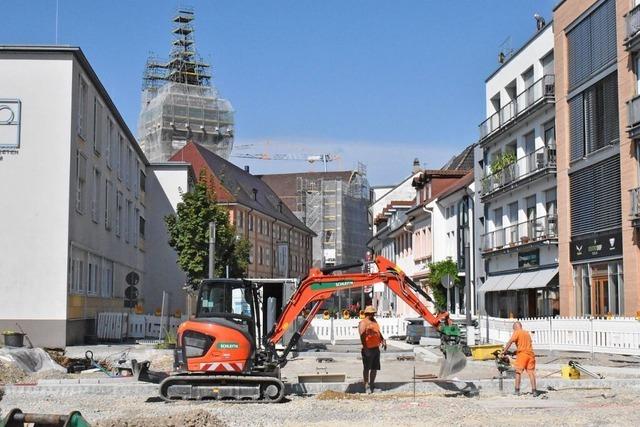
(336, 210)
(179, 104)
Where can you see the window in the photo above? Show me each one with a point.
(94, 274)
(550, 135)
(83, 99)
(529, 259)
(135, 175)
(108, 198)
(260, 226)
(111, 144)
(119, 213)
(135, 226)
(552, 212)
(77, 271)
(250, 222)
(106, 286)
(122, 165)
(143, 181)
(636, 63)
(592, 44)
(97, 126)
(595, 197)
(241, 220)
(127, 223)
(142, 226)
(128, 168)
(81, 171)
(260, 255)
(95, 197)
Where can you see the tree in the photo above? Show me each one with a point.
(437, 271)
(189, 236)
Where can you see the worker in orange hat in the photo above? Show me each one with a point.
(371, 338)
(525, 358)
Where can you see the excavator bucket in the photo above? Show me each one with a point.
(454, 360)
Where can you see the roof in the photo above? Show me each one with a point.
(437, 173)
(462, 161)
(240, 184)
(84, 62)
(463, 182)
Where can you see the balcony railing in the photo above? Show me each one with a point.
(542, 89)
(635, 203)
(634, 111)
(633, 22)
(541, 228)
(542, 158)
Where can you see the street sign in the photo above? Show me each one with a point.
(447, 281)
(132, 278)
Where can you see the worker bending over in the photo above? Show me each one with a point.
(525, 358)
(371, 339)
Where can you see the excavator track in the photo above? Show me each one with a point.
(228, 388)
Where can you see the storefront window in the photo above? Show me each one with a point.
(616, 288)
(599, 288)
(582, 291)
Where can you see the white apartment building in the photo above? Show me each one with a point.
(452, 227)
(516, 183)
(75, 201)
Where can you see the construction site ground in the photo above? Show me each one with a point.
(611, 401)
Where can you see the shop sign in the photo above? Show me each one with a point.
(601, 246)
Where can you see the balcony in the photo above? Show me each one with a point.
(634, 117)
(528, 232)
(635, 207)
(524, 169)
(632, 39)
(539, 93)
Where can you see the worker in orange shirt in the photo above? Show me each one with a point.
(371, 339)
(525, 358)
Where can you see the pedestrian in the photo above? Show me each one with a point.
(371, 339)
(525, 358)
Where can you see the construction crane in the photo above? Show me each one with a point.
(311, 158)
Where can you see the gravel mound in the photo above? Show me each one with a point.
(11, 374)
(197, 418)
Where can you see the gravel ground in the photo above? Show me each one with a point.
(600, 407)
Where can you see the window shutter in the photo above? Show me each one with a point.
(603, 36)
(610, 105)
(579, 40)
(576, 127)
(595, 197)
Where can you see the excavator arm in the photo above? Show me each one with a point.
(320, 285)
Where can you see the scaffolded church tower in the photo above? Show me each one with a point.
(179, 104)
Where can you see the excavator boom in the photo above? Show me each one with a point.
(318, 286)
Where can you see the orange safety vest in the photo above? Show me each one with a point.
(371, 331)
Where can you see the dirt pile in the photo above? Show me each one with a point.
(196, 418)
(11, 374)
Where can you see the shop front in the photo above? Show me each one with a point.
(598, 274)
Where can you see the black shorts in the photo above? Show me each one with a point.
(371, 359)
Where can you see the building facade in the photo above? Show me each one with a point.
(516, 183)
(334, 206)
(281, 245)
(76, 201)
(596, 49)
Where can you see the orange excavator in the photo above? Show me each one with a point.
(222, 354)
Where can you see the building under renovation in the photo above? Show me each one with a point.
(333, 205)
(179, 104)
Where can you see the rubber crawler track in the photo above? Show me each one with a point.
(217, 381)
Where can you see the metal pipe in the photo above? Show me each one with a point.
(212, 249)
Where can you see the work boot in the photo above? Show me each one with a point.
(536, 393)
(517, 392)
(369, 390)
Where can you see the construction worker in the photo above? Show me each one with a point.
(371, 339)
(525, 358)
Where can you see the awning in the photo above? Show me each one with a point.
(498, 283)
(524, 280)
(534, 279)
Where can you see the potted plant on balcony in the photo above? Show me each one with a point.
(500, 167)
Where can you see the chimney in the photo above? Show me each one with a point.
(246, 168)
(416, 166)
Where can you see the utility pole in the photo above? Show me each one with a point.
(467, 282)
(212, 249)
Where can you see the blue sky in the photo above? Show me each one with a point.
(374, 81)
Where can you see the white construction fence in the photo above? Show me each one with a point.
(347, 329)
(619, 335)
(119, 326)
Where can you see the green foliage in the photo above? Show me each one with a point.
(437, 271)
(502, 162)
(189, 236)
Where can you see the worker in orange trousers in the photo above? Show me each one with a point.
(525, 357)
